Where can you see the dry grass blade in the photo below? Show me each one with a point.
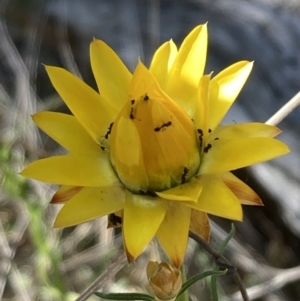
(282, 278)
(285, 110)
(108, 274)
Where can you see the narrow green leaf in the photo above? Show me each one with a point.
(124, 296)
(227, 239)
(198, 277)
(213, 283)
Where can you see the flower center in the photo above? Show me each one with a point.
(153, 143)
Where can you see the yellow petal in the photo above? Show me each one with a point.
(173, 232)
(188, 67)
(201, 113)
(90, 203)
(245, 130)
(126, 155)
(180, 136)
(200, 224)
(64, 193)
(67, 131)
(91, 110)
(233, 154)
(229, 83)
(142, 217)
(162, 62)
(112, 76)
(243, 192)
(217, 199)
(136, 142)
(187, 192)
(73, 170)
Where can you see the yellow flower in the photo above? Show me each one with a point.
(150, 145)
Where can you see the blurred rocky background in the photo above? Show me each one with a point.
(58, 32)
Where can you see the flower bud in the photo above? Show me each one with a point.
(153, 143)
(164, 280)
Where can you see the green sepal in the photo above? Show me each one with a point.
(198, 277)
(124, 296)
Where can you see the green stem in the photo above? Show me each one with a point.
(213, 285)
(184, 296)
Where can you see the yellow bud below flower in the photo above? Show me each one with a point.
(165, 281)
(153, 141)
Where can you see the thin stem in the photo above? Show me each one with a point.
(217, 256)
(285, 110)
(107, 274)
(214, 285)
(185, 295)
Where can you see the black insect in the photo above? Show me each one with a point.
(146, 97)
(132, 101)
(209, 130)
(183, 176)
(102, 147)
(207, 148)
(163, 126)
(200, 132)
(201, 140)
(131, 114)
(114, 220)
(216, 138)
(109, 130)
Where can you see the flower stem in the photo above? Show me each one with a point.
(217, 256)
(185, 295)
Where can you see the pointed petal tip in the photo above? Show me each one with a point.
(239, 218)
(130, 258)
(96, 42)
(24, 173)
(203, 26)
(57, 225)
(47, 67)
(277, 131)
(61, 225)
(258, 202)
(177, 262)
(36, 115)
(253, 202)
(242, 191)
(64, 194)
